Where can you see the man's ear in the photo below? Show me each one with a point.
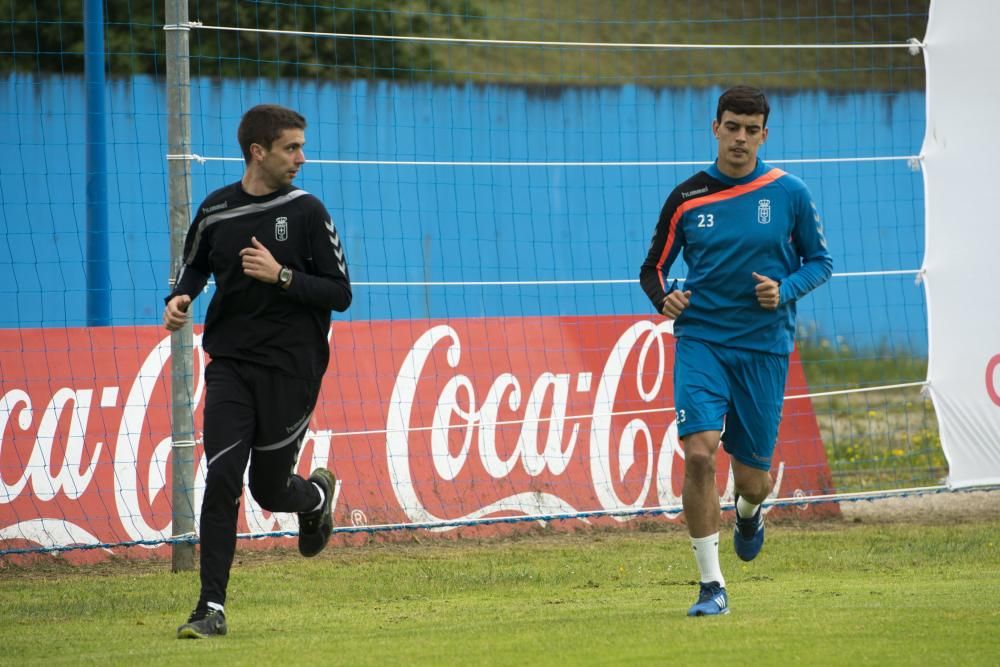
(257, 151)
(763, 135)
(715, 128)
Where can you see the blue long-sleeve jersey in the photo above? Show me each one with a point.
(728, 229)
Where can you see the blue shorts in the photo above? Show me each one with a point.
(738, 392)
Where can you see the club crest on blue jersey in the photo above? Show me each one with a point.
(281, 229)
(764, 211)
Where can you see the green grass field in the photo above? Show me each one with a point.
(703, 22)
(831, 593)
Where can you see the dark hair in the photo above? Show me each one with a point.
(264, 123)
(743, 100)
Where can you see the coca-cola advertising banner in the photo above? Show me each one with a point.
(449, 425)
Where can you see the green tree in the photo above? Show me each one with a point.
(48, 36)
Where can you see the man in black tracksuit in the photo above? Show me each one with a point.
(279, 272)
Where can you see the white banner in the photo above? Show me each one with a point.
(962, 257)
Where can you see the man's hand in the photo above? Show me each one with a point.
(768, 292)
(259, 263)
(675, 303)
(176, 314)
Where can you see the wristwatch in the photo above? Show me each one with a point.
(284, 276)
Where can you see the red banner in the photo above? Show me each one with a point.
(437, 423)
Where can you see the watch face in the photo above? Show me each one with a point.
(285, 275)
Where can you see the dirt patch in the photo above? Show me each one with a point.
(926, 508)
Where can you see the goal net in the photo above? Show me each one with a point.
(495, 171)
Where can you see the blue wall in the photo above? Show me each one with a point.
(458, 223)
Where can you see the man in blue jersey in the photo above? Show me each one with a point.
(753, 244)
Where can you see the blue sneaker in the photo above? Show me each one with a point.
(712, 601)
(748, 535)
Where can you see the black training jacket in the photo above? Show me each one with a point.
(252, 320)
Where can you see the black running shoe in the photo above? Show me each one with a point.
(203, 624)
(315, 527)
